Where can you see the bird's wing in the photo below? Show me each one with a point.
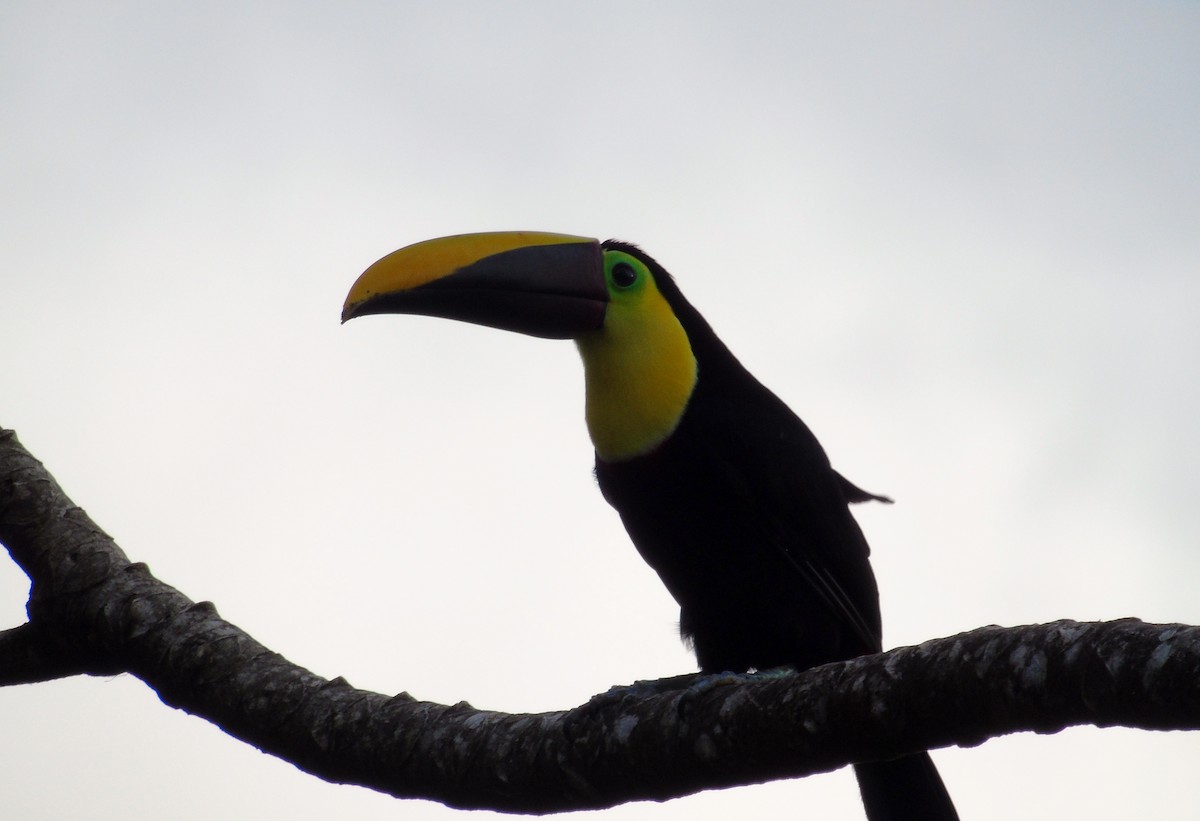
(855, 494)
(810, 523)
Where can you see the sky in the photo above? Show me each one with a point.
(959, 240)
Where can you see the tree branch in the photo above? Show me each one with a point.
(92, 611)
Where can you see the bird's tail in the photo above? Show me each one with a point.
(904, 789)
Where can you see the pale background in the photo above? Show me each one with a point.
(961, 240)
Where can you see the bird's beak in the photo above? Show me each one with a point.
(548, 285)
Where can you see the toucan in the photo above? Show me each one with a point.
(724, 491)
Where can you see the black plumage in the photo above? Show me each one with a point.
(748, 525)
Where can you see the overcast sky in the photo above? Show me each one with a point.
(963, 244)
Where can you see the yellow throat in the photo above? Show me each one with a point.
(639, 371)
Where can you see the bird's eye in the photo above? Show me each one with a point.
(623, 275)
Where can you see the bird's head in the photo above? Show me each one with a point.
(638, 361)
